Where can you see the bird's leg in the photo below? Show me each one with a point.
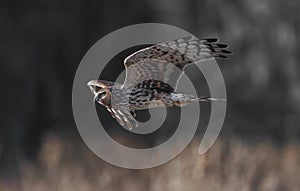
(181, 100)
(181, 103)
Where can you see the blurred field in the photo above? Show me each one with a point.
(229, 165)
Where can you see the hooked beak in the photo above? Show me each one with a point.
(97, 87)
(93, 85)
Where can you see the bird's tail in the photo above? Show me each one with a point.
(208, 99)
(184, 99)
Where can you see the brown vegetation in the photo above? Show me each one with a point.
(228, 165)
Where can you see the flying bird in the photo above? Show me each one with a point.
(152, 75)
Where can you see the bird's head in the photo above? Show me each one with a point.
(101, 90)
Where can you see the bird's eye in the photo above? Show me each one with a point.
(97, 88)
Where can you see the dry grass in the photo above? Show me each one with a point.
(229, 165)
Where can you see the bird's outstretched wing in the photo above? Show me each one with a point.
(123, 117)
(166, 61)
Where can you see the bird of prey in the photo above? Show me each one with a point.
(152, 75)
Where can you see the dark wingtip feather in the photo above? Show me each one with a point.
(221, 45)
(220, 56)
(226, 51)
(218, 50)
(210, 40)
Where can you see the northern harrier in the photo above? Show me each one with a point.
(152, 75)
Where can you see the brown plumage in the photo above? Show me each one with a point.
(152, 75)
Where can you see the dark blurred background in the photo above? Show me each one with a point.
(43, 42)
